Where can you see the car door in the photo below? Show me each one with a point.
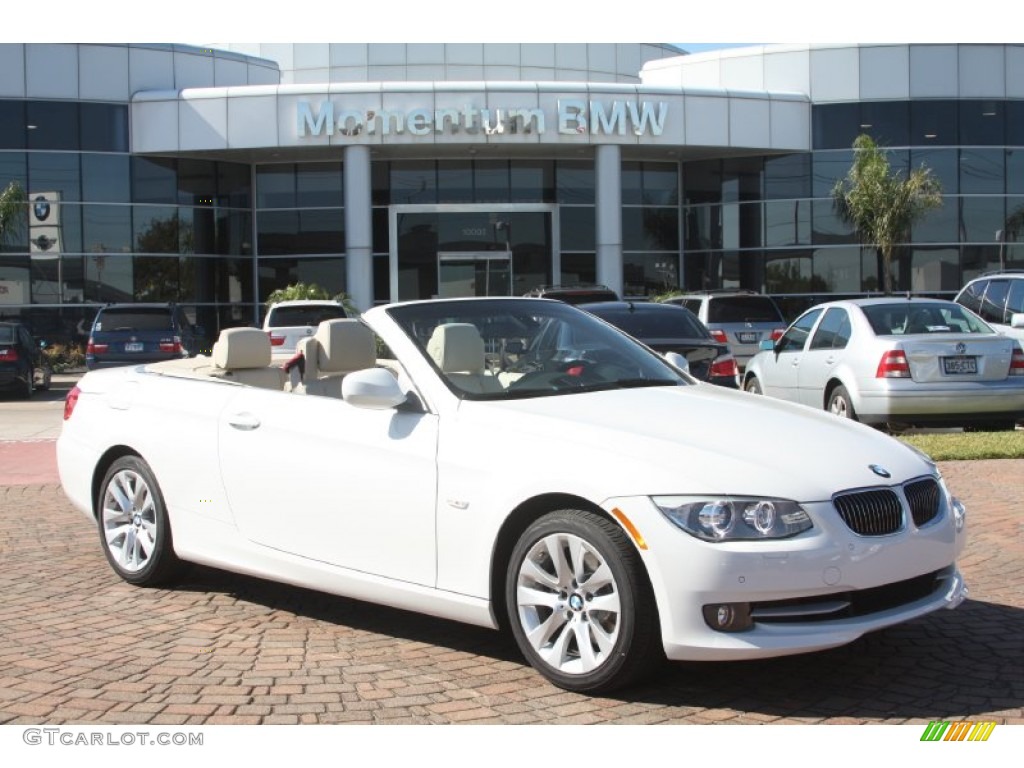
(781, 370)
(322, 479)
(824, 352)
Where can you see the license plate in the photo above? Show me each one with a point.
(960, 365)
(133, 346)
(748, 338)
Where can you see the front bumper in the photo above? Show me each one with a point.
(822, 566)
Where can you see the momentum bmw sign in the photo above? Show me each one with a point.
(571, 116)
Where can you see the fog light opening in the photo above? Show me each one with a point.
(959, 514)
(728, 617)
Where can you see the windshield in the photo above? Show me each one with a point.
(134, 319)
(652, 322)
(283, 317)
(495, 349)
(743, 309)
(904, 318)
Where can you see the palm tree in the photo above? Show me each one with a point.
(880, 203)
(12, 210)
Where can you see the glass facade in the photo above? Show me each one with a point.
(768, 224)
(101, 225)
(217, 236)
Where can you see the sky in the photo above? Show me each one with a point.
(780, 21)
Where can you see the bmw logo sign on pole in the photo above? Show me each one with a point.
(41, 208)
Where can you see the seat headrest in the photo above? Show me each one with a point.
(457, 348)
(238, 348)
(344, 346)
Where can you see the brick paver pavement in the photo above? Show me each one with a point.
(77, 645)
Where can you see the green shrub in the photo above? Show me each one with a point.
(64, 357)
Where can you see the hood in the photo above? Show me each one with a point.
(697, 439)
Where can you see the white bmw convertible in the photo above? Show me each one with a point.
(516, 463)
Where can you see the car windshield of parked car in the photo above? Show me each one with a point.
(905, 318)
(134, 319)
(653, 322)
(7, 335)
(283, 317)
(516, 348)
(743, 309)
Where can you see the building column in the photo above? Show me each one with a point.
(358, 227)
(608, 178)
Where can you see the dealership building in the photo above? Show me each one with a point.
(213, 176)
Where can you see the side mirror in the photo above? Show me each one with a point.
(372, 388)
(679, 361)
(1017, 320)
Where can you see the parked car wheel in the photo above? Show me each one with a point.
(753, 386)
(580, 606)
(133, 524)
(27, 390)
(840, 404)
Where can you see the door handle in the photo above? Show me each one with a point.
(245, 421)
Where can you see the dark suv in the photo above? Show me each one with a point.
(23, 368)
(125, 334)
(574, 294)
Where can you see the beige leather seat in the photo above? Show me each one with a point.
(458, 350)
(338, 348)
(243, 355)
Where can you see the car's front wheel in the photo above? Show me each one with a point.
(753, 386)
(581, 609)
(133, 524)
(840, 404)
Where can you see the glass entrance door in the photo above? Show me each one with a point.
(500, 249)
(480, 273)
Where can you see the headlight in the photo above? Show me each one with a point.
(734, 519)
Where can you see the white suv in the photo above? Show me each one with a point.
(999, 299)
(288, 322)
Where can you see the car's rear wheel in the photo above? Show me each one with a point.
(133, 524)
(753, 386)
(580, 605)
(840, 404)
(28, 388)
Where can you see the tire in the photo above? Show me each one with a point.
(753, 386)
(554, 613)
(133, 526)
(840, 404)
(29, 388)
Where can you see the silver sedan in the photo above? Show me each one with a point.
(899, 361)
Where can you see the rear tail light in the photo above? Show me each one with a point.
(9, 355)
(719, 336)
(71, 401)
(893, 365)
(92, 348)
(1017, 362)
(777, 333)
(276, 341)
(171, 345)
(725, 366)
